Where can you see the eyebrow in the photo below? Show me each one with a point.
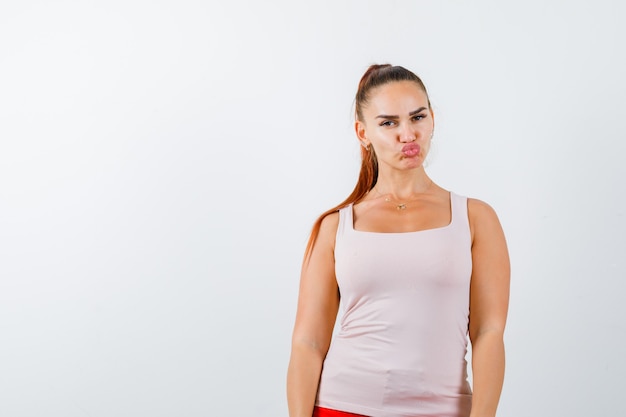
(386, 116)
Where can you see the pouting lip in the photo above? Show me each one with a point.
(410, 147)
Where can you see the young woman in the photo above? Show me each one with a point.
(416, 268)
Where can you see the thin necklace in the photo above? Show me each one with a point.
(401, 206)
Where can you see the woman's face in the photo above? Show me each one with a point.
(398, 124)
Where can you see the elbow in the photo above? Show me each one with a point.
(310, 348)
(491, 333)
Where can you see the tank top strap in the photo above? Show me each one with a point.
(345, 220)
(459, 211)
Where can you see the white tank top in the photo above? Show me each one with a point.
(399, 350)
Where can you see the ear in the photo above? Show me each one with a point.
(359, 129)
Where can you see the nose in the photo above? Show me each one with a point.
(408, 135)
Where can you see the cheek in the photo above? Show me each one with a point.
(426, 146)
(382, 142)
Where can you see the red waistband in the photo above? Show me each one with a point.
(327, 412)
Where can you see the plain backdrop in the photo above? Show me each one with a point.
(162, 162)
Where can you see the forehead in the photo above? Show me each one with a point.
(397, 97)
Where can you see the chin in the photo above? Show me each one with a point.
(413, 162)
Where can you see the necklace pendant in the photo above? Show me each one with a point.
(401, 206)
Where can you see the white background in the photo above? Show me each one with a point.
(161, 163)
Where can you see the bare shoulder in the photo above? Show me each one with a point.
(328, 231)
(482, 217)
(479, 208)
(330, 223)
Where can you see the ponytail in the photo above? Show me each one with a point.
(375, 76)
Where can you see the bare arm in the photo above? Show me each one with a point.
(489, 300)
(318, 302)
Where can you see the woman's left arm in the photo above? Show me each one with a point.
(489, 302)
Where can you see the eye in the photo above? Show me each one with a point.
(387, 123)
(419, 117)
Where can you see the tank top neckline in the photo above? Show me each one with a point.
(350, 220)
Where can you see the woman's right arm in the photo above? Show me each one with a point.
(318, 302)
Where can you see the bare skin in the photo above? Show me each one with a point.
(398, 115)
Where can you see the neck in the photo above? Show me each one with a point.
(402, 185)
